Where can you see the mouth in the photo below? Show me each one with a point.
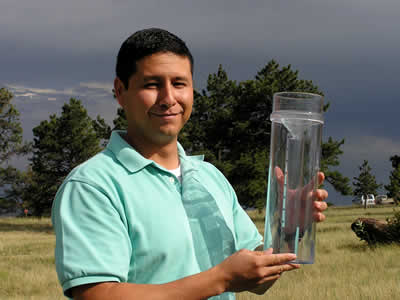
(165, 115)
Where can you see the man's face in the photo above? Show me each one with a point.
(159, 99)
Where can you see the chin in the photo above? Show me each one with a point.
(164, 137)
(169, 131)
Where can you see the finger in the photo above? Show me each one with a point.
(321, 178)
(279, 259)
(268, 278)
(320, 206)
(318, 217)
(288, 267)
(320, 195)
(278, 270)
(280, 179)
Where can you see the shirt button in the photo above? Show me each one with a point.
(171, 179)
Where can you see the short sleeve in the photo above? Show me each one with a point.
(92, 240)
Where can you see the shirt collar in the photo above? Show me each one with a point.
(125, 153)
(134, 161)
(188, 163)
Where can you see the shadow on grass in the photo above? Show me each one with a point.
(26, 227)
(356, 247)
(362, 246)
(361, 214)
(330, 229)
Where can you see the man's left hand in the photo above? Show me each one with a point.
(319, 197)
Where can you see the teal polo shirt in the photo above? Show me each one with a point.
(121, 217)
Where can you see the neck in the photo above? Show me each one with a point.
(165, 154)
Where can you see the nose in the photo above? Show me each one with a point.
(167, 96)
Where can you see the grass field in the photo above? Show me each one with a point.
(345, 267)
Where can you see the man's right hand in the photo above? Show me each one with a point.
(254, 271)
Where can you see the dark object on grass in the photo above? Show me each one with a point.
(376, 231)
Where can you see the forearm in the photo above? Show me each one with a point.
(244, 270)
(196, 287)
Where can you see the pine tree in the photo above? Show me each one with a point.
(365, 183)
(393, 187)
(11, 144)
(60, 144)
(103, 130)
(331, 150)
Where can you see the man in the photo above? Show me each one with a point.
(142, 220)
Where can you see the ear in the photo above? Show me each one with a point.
(119, 89)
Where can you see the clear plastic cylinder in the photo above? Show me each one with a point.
(295, 151)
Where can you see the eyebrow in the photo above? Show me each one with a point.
(159, 78)
(148, 78)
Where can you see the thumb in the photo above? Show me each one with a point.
(279, 175)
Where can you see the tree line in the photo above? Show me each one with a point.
(365, 183)
(229, 124)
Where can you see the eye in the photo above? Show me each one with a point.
(151, 85)
(179, 84)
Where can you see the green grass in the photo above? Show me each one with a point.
(27, 260)
(345, 267)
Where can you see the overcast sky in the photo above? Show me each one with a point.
(53, 50)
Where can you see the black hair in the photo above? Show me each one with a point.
(145, 43)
